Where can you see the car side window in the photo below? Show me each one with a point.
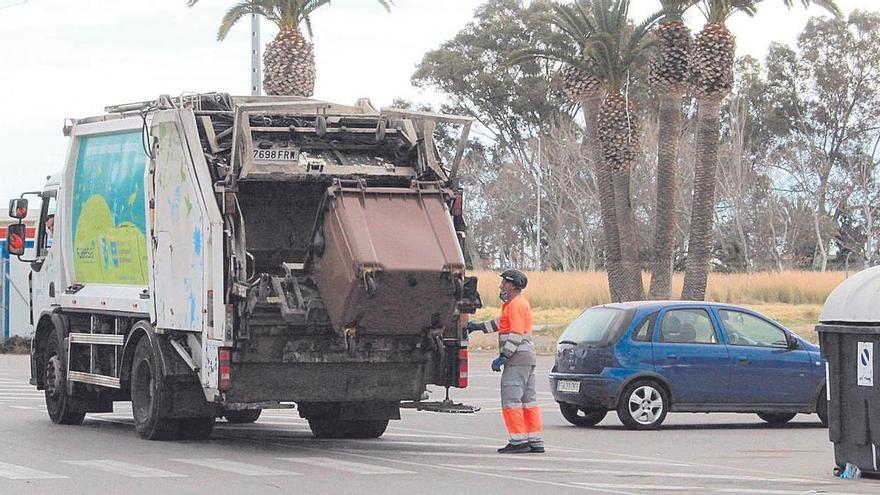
(745, 329)
(687, 326)
(643, 333)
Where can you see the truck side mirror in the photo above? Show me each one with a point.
(15, 239)
(18, 208)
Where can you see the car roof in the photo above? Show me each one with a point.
(656, 305)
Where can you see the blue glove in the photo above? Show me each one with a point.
(475, 327)
(498, 362)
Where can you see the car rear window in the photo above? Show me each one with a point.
(594, 326)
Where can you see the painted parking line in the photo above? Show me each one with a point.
(534, 458)
(125, 469)
(27, 408)
(242, 468)
(14, 472)
(347, 466)
(705, 476)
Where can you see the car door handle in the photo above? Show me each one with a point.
(742, 359)
(671, 357)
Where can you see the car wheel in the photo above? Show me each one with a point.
(642, 405)
(776, 419)
(579, 416)
(822, 408)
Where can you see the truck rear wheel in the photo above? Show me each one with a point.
(337, 428)
(242, 417)
(55, 379)
(147, 396)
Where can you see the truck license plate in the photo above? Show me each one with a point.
(276, 155)
(568, 386)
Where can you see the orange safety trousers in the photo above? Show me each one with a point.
(522, 415)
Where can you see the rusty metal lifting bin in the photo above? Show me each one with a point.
(849, 334)
(387, 260)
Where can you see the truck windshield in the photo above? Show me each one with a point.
(593, 326)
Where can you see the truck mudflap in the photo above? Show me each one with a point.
(387, 260)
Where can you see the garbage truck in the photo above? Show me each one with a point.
(210, 256)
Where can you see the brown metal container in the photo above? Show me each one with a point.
(387, 260)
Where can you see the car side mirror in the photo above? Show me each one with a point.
(793, 343)
(18, 208)
(15, 238)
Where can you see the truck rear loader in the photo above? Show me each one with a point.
(212, 256)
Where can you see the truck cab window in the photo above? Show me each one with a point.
(46, 232)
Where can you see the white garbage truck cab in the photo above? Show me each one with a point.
(212, 256)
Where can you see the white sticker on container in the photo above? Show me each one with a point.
(865, 359)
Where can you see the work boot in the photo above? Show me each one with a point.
(513, 448)
(536, 449)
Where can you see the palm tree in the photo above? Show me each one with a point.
(289, 60)
(580, 84)
(669, 73)
(711, 80)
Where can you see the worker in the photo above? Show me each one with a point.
(519, 400)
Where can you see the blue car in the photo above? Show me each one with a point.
(645, 359)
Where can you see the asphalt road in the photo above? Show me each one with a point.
(424, 453)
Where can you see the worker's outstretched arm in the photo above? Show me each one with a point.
(490, 326)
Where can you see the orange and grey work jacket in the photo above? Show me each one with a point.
(514, 328)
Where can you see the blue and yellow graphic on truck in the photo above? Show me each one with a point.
(109, 221)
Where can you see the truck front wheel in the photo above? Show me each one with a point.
(55, 378)
(147, 396)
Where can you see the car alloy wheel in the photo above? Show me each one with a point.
(642, 406)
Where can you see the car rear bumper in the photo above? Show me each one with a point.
(596, 391)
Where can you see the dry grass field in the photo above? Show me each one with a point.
(794, 298)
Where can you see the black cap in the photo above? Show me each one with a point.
(516, 277)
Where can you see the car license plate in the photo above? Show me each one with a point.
(568, 386)
(276, 155)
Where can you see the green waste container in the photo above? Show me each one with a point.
(849, 336)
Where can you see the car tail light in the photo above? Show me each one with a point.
(463, 365)
(225, 373)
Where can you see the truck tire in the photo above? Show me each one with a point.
(147, 396)
(55, 379)
(326, 428)
(371, 428)
(242, 417)
(195, 428)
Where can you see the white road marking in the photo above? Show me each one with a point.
(728, 477)
(534, 458)
(125, 469)
(347, 466)
(648, 488)
(242, 468)
(28, 408)
(13, 472)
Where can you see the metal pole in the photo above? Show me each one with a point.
(256, 75)
(540, 175)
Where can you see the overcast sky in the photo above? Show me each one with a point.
(71, 58)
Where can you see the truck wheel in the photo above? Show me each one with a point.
(581, 417)
(55, 378)
(195, 428)
(373, 428)
(776, 419)
(242, 417)
(147, 396)
(326, 428)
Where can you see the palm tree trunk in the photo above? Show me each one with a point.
(605, 186)
(703, 208)
(667, 163)
(631, 270)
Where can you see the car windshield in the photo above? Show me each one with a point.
(592, 326)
